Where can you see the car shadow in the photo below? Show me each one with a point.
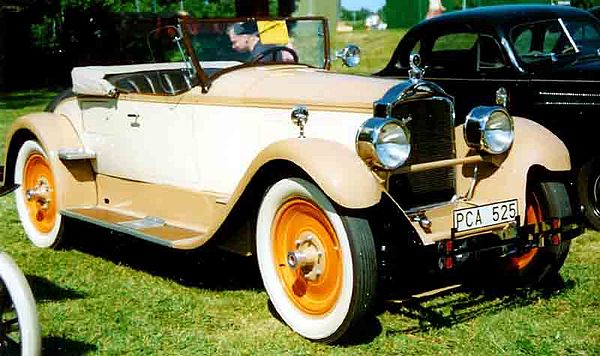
(208, 268)
(45, 291)
(214, 269)
(56, 345)
(462, 303)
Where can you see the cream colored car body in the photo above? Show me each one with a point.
(187, 159)
(335, 182)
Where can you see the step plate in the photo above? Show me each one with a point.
(166, 235)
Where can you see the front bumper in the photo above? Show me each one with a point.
(511, 240)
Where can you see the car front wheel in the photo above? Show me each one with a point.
(36, 196)
(318, 267)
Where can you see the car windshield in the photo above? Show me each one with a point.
(541, 40)
(291, 41)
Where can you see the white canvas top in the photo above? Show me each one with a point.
(91, 80)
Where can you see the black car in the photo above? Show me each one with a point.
(541, 61)
(595, 11)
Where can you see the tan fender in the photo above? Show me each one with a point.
(533, 145)
(337, 170)
(74, 179)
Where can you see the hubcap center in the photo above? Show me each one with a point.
(308, 256)
(41, 192)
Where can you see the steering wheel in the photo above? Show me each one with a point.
(272, 51)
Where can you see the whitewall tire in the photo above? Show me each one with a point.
(318, 267)
(36, 196)
(19, 325)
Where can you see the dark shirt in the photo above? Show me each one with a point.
(274, 56)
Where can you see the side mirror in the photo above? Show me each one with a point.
(350, 55)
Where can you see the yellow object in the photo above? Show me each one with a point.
(273, 32)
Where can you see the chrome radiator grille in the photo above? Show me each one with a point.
(431, 126)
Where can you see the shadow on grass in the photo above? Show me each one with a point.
(468, 302)
(207, 268)
(55, 345)
(44, 290)
(21, 100)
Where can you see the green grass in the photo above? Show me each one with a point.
(107, 294)
(376, 49)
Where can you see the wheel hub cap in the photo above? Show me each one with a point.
(308, 256)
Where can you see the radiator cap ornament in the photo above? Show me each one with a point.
(415, 73)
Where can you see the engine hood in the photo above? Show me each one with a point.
(285, 85)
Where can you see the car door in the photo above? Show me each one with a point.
(141, 137)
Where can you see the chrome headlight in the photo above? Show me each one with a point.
(489, 128)
(384, 143)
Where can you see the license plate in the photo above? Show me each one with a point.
(485, 215)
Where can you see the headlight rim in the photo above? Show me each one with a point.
(367, 140)
(475, 126)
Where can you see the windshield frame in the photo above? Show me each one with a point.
(205, 80)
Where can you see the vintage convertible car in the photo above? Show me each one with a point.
(544, 60)
(331, 180)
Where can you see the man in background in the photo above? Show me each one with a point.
(244, 38)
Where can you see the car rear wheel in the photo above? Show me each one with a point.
(548, 199)
(588, 187)
(19, 325)
(36, 197)
(318, 267)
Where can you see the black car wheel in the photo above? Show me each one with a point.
(19, 325)
(588, 187)
(537, 265)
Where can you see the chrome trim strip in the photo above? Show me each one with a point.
(384, 106)
(569, 94)
(565, 103)
(562, 24)
(71, 154)
(145, 223)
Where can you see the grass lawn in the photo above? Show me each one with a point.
(107, 294)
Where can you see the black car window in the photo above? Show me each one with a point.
(585, 34)
(537, 40)
(540, 40)
(454, 51)
(455, 41)
(522, 41)
(489, 53)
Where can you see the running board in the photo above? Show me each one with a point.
(149, 228)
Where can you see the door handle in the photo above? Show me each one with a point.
(135, 117)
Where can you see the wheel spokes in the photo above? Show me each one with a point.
(9, 322)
